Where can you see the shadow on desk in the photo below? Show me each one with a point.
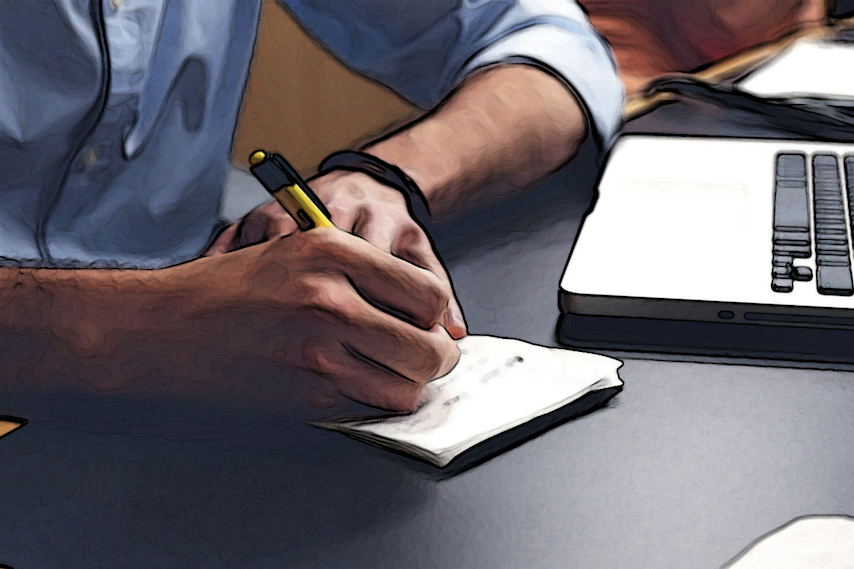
(198, 499)
(595, 401)
(565, 195)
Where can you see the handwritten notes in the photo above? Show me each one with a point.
(497, 385)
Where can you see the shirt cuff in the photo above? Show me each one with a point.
(583, 61)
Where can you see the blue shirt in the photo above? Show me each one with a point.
(116, 117)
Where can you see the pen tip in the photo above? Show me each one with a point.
(257, 157)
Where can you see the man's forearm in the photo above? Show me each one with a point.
(73, 320)
(505, 128)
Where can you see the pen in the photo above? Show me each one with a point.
(289, 189)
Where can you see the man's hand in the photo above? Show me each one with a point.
(312, 300)
(364, 207)
(364, 321)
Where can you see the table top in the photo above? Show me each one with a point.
(684, 468)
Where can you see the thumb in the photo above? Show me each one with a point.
(455, 324)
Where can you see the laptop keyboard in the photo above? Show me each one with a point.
(792, 237)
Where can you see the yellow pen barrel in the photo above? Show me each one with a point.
(300, 206)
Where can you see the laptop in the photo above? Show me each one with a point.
(723, 246)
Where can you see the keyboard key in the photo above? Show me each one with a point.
(834, 280)
(832, 253)
(791, 210)
(832, 261)
(829, 220)
(782, 285)
(783, 272)
(802, 274)
(825, 202)
(792, 242)
(828, 247)
(849, 176)
(797, 253)
(831, 240)
(791, 238)
(791, 165)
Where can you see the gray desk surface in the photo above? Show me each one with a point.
(687, 466)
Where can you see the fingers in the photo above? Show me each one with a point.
(454, 321)
(414, 246)
(399, 348)
(261, 224)
(409, 242)
(377, 230)
(279, 221)
(378, 214)
(359, 378)
(362, 381)
(383, 280)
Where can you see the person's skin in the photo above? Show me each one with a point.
(506, 128)
(320, 300)
(298, 302)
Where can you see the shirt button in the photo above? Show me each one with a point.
(89, 158)
(116, 4)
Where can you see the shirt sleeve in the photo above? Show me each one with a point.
(424, 49)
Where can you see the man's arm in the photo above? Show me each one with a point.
(504, 125)
(300, 302)
(506, 128)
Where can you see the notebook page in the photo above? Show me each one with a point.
(498, 384)
(812, 542)
(809, 68)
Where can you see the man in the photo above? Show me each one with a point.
(115, 123)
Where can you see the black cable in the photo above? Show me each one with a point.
(818, 119)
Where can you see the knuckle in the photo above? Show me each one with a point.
(408, 400)
(412, 235)
(435, 362)
(321, 245)
(364, 217)
(310, 291)
(439, 299)
(316, 359)
(337, 211)
(331, 306)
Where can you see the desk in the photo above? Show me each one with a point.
(687, 466)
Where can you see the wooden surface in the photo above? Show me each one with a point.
(9, 424)
(303, 103)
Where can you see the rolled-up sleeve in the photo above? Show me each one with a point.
(423, 50)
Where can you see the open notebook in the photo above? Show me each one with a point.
(498, 386)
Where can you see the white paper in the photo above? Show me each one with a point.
(814, 542)
(498, 384)
(809, 68)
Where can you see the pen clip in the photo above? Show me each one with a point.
(303, 220)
